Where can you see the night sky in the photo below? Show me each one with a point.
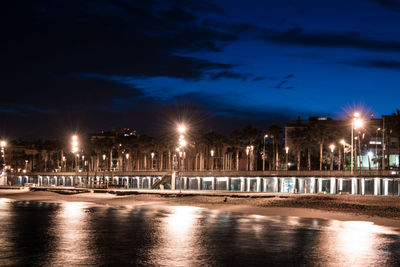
(86, 66)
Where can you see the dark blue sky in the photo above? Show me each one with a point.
(91, 65)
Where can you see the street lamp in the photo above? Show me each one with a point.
(356, 122)
(343, 143)
(75, 149)
(370, 154)
(3, 145)
(182, 143)
(181, 128)
(247, 153)
(152, 160)
(265, 137)
(127, 162)
(287, 157)
(332, 147)
(376, 146)
(212, 159)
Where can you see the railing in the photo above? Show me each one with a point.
(219, 173)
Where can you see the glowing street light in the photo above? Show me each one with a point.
(152, 160)
(182, 143)
(264, 156)
(74, 143)
(181, 128)
(356, 122)
(332, 147)
(212, 159)
(287, 157)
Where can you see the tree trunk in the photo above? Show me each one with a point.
(340, 158)
(309, 159)
(320, 155)
(237, 160)
(273, 155)
(298, 160)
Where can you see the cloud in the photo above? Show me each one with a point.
(288, 76)
(133, 38)
(257, 79)
(384, 64)
(298, 36)
(393, 5)
(282, 83)
(229, 74)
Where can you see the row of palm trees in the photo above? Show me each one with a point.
(307, 147)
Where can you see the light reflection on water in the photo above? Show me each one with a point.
(74, 233)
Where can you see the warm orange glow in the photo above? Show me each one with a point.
(3, 143)
(181, 128)
(332, 147)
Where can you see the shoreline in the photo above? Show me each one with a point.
(382, 211)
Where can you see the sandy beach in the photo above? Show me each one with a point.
(377, 209)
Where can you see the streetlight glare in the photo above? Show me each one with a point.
(3, 143)
(342, 142)
(332, 147)
(358, 123)
(356, 114)
(182, 142)
(181, 128)
(74, 137)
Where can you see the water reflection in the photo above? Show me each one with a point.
(178, 239)
(356, 243)
(70, 226)
(79, 234)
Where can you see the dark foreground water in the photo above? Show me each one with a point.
(76, 234)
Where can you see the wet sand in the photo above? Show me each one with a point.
(377, 209)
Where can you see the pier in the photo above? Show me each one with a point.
(386, 183)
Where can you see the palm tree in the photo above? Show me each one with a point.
(235, 140)
(298, 143)
(320, 134)
(252, 136)
(275, 132)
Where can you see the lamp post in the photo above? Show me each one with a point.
(212, 159)
(332, 147)
(356, 122)
(370, 154)
(343, 143)
(182, 143)
(3, 145)
(75, 149)
(376, 146)
(247, 153)
(265, 137)
(127, 162)
(287, 157)
(152, 160)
